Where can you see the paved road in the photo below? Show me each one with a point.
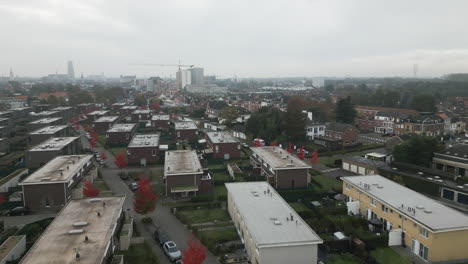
(19, 221)
(162, 216)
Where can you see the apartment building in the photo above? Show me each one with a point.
(127, 110)
(51, 148)
(116, 108)
(453, 160)
(43, 114)
(161, 122)
(65, 112)
(184, 175)
(86, 231)
(141, 115)
(54, 121)
(143, 149)
(53, 185)
(185, 130)
(85, 107)
(223, 145)
(120, 134)
(104, 123)
(4, 146)
(37, 136)
(272, 232)
(434, 232)
(280, 168)
(95, 115)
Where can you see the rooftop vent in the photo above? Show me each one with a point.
(76, 231)
(80, 224)
(94, 200)
(420, 207)
(277, 222)
(45, 179)
(427, 211)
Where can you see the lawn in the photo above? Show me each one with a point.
(217, 166)
(346, 258)
(213, 237)
(203, 215)
(101, 185)
(139, 254)
(299, 207)
(220, 190)
(327, 184)
(388, 256)
(221, 176)
(116, 151)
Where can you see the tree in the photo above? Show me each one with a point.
(103, 155)
(145, 199)
(418, 150)
(120, 160)
(301, 154)
(89, 190)
(345, 112)
(295, 118)
(290, 148)
(424, 103)
(195, 253)
(266, 123)
(140, 100)
(314, 157)
(229, 115)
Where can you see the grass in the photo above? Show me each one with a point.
(224, 176)
(299, 207)
(101, 185)
(203, 215)
(117, 150)
(346, 258)
(388, 256)
(139, 254)
(327, 184)
(220, 190)
(217, 166)
(213, 237)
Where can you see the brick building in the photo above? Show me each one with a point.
(120, 134)
(185, 130)
(51, 148)
(160, 122)
(141, 115)
(37, 136)
(104, 123)
(127, 110)
(95, 115)
(223, 145)
(43, 122)
(346, 132)
(65, 112)
(143, 149)
(115, 108)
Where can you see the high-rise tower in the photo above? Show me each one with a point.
(71, 70)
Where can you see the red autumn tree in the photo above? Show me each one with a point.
(144, 107)
(155, 106)
(257, 142)
(145, 198)
(195, 253)
(121, 160)
(314, 157)
(103, 155)
(2, 198)
(274, 143)
(290, 148)
(301, 153)
(89, 190)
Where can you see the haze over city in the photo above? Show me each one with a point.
(245, 38)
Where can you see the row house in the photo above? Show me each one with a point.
(104, 123)
(370, 112)
(223, 145)
(143, 149)
(42, 134)
(65, 112)
(43, 122)
(120, 134)
(346, 132)
(430, 126)
(141, 115)
(186, 130)
(95, 115)
(160, 122)
(280, 168)
(51, 148)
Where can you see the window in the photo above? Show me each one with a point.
(373, 202)
(423, 232)
(423, 251)
(127, 135)
(153, 152)
(384, 209)
(347, 186)
(216, 148)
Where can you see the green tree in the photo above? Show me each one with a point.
(424, 103)
(344, 110)
(80, 97)
(229, 114)
(295, 118)
(266, 123)
(140, 100)
(418, 150)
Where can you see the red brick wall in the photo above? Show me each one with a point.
(136, 154)
(186, 134)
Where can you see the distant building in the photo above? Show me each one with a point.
(184, 175)
(212, 126)
(115, 107)
(346, 132)
(280, 168)
(127, 110)
(361, 165)
(238, 131)
(95, 115)
(223, 145)
(143, 149)
(184, 78)
(318, 82)
(197, 76)
(42, 134)
(160, 121)
(71, 70)
(214, 108)
(54, 184)
(85, 231)
(271, 231)
(120, 134)
(51, 148)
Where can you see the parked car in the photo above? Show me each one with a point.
(123, 176)
(161, 236)
(88, 136)
(18, 211)
(172, 251)
(306, 152)
(133, 186)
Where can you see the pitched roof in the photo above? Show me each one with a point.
(217, 104)
(340, 127)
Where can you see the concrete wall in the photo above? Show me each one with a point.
(305, 254)
(13, 180)
(16, 251)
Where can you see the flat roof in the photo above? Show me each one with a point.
(62, 108)
(182, 162)
(363, 160)
(428, 212)
(46, 120)
(106, 119)
(142, 111)
(185, 125)
(279, 158)
(57, 245)
(160, 117)
(4, 119)
(55, 143)
(60, 169)
(131, 107)
(221, 137)
(265, 214)
(45, 113)
(98, 112)
(117, 128)
(10, 244)
(48, 130)
(118, 104)
(144, 140)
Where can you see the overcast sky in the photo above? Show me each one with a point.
(247, 38)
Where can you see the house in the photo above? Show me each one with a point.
(51, 148)
(214, 108)
(184, 175)
(270, 229)
(116, 107)
(65, 112)
(104, 123)
(280, 168)
(127, 110)
(361, 165)
(186, 130)
(161, 122)
(53, 185)
(314, 129)
(238, 131)
(95, 115)
(453, 160)
(120, 134)
(43, 122)
(141, 115)
(424, 125)
(223, 145)
(143, 149)
(428, 229)
(85, 231)
(329, 143)
(212, 126)
(37, 136)
(346, 132)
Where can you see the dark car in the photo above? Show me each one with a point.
(161, 236)
(18, 211)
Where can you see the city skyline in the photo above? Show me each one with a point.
(244, 39)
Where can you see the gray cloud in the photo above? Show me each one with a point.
(245, 37)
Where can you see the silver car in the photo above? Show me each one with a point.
(172, 251)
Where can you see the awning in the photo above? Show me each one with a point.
(375, 221)
(180, 189)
